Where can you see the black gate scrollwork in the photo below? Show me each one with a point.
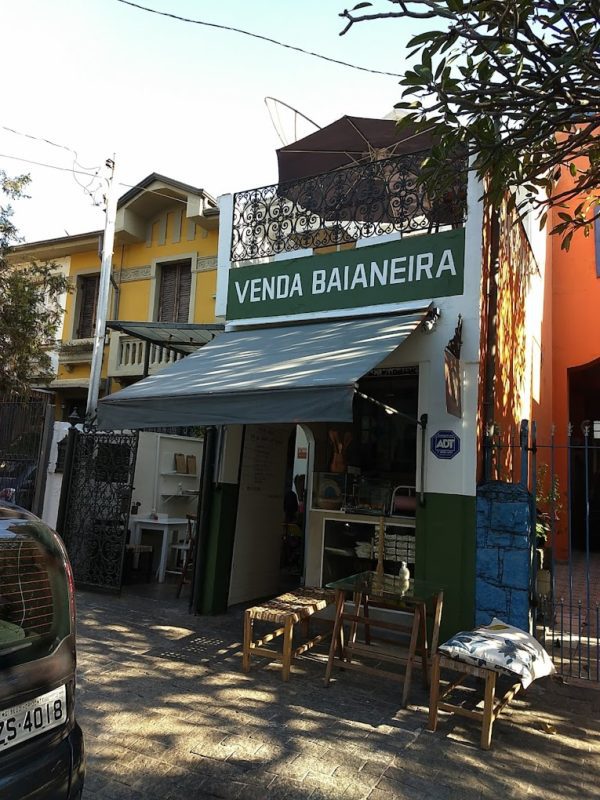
(97, 511)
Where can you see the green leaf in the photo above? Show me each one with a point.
(428, 36)
(566, 242)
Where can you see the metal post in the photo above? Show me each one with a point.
(43, 458)
(423, 424)
(103, 293)
(203, 517)
(523, 441)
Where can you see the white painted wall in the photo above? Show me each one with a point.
(154, 487)
(225, 203)
(53, 478)
(534, 310)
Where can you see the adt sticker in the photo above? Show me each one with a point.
(445, 444)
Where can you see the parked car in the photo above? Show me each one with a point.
(41, 744)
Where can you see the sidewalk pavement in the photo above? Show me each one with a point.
(167, 713)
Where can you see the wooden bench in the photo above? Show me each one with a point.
(284, 611)
(492, 706)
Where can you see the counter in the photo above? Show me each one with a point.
(347, 546)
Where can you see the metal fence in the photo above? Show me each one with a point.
(94, 505)
(562, 474)
(25, 431)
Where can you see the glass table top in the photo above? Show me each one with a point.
(388, 587)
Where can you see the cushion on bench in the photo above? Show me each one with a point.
(502, 648)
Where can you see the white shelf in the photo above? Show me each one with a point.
(181, 474)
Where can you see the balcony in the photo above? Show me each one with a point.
(126, 357)
(335, 208)
(75, 351)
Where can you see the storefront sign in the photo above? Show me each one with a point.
(445, 444)
(415, 268)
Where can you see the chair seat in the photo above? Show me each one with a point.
(284, 611)
(299, 604)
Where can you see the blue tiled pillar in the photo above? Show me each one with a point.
(504, 554)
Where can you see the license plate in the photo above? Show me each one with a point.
(22, 722)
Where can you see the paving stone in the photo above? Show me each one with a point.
(161, 723)
(284, 789)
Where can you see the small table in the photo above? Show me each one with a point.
(167, 526)
(391, 592)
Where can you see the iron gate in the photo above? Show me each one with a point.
(94, 505)
(563, 477)
(25, 430)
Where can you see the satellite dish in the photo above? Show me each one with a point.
(289, 123)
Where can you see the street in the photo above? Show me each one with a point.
(167, 713)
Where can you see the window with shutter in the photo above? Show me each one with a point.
(88, 300)
(175, 292)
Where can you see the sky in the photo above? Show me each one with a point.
(105, 79)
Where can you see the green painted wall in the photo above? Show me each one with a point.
(445, 555)
(219, 549)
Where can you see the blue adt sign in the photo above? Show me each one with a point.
(445, 444)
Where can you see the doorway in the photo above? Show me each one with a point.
(294, 517)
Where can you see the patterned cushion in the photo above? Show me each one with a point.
(503, 648)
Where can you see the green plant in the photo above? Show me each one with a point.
(547, 502)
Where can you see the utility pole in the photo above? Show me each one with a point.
(103, 292)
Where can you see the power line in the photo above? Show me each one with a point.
(76, 163)
(50, 166)
(93, 175)
(259, 36)
(38, 139)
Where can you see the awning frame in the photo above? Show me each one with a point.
(181, 348)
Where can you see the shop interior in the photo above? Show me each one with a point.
(317, 502)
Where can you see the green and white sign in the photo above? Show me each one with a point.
(415, 268)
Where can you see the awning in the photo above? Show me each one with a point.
(182, 337)
(301, 373)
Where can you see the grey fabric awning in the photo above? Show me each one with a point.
(301, 373)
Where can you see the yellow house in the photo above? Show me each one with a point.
(164, 276)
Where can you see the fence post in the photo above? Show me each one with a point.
(523, 440)
(42, 465)
(65, 488)
(487, 453)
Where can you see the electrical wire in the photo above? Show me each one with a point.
(259, 36)
(43, 164)
(76, 163)
(79, 172)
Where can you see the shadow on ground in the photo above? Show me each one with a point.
(167, 713)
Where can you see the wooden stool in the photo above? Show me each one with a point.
(285, 611)
(491, 705)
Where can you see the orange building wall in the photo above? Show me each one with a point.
(576, 338)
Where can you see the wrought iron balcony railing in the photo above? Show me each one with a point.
(341, 206)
